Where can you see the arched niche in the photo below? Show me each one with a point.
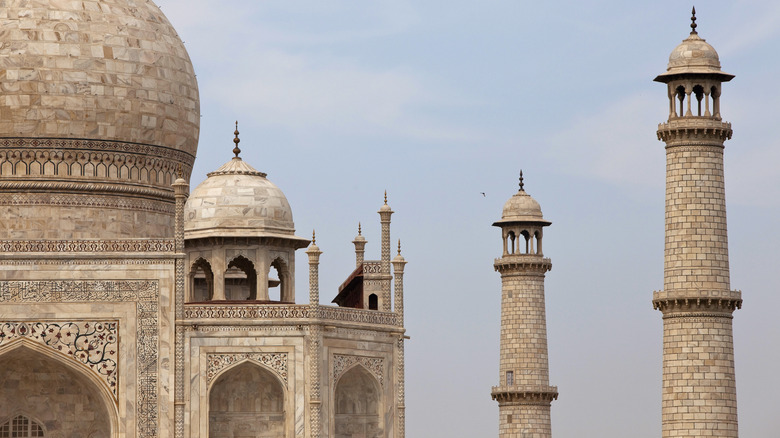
(59, 393)
(247, 400)
(282, 280)
(358, 405)
(201, 281)
(240, 280)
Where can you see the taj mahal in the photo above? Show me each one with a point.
(135, 303)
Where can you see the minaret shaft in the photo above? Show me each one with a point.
(699, 387)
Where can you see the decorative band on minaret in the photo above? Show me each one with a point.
(699, 390)
(524, 393)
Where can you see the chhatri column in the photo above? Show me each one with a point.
(699, 390)
(524, 393)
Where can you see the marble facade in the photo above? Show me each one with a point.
(132, 308)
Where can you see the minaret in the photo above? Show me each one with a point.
(384, 217)
(524, 393)
(699, 391)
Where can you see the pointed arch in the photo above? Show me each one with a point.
(247, 399)
(40, 383)
(201, 281)
(241, 279)
(358, 404)
(283, 271)
(20, 425)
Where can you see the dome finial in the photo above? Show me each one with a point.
(236, 140)
(522, 185)
(693, 21)
(313, 237)
(360, 229)
(385, 197)
(399, 246)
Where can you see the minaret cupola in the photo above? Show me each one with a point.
(521, 224)
(693, 77)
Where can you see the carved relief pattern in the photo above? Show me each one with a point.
(375, 365)
(144, 293)
(315, 344)
(144, 245)
(93, 343)
(274, 311)
(274, 361)
(248, 311)
(81, 200)
(101, 159)
(372, 268)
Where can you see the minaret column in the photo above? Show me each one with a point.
(398, 271)
(384, 214)
(699, 396)
(524, 393)
(360, 247)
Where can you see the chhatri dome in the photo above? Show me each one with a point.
(521, 208)
(100, 114)
(693, 55)
(237, 200)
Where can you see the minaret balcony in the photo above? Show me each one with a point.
(523, 263)
(693, 300)
(525, 394)
(681, 128)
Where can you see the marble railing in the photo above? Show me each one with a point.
(288, 311)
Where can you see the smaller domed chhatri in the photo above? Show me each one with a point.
(237, 200)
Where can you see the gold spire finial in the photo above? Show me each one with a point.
(385, 197)
(360, 229)
(236, 140)
(399, 246)
(179, 171)
(313, 237)
(693, 21)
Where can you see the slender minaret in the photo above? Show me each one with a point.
(524, 393)
(384, 217)
(699, 391)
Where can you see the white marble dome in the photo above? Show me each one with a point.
(522, 208)
(694, 55)
(236, 200)
(108, 70)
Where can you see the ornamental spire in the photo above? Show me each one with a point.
(693, 21)
(522, 185)
(236, 140)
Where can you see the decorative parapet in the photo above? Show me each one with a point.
(249, 311)
(122, 245)
(372, 267)
(522, 263)
(693, 300)
(293, 311)
(695, 128)
(525, 395)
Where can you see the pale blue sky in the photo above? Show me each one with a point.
(438, 101)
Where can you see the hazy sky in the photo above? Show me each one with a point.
(437, 101)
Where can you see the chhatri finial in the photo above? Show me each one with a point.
(693, 21)
(399, 246)
(360, 229)
(385, 197)
(236, 140)
(179, 171)
(313, 237)
(521, 182)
